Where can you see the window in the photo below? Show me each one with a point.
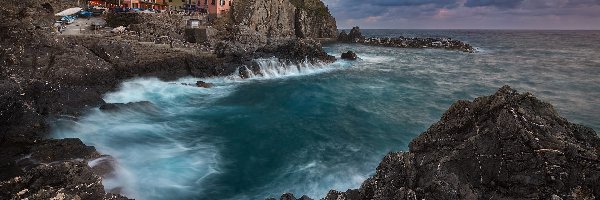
(212, 2)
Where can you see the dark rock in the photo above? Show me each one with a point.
(204, 84)
(141, 105)
(62, 149)
(304, 197)
(285, 19)
(504, 146)
(57, 180)
(350, 55)
(343, 36)
(296, 51)
(287, 196)
(355, 36)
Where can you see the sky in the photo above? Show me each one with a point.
(467, 14)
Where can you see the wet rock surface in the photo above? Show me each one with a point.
(504, 146)
(203, 84)
(350, 55)
(57, 180)
(355, 36)
(44, 74)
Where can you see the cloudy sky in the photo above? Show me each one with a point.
(467, 14)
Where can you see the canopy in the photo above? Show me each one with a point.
(70, 11)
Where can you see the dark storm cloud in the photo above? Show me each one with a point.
(494, 3)
(467, 13)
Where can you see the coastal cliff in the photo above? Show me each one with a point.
(506, 145)
(285, 18)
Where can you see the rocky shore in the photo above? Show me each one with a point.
(508, 145)
(355, 36)
(47, 75)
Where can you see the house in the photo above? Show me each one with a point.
(216, 7)
(176, 4)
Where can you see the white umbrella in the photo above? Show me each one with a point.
(70, 11)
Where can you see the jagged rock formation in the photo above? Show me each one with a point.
(285, 18)
(355, 36)
(504, 146)
(313, 20)
(58, 169)
(255, 28)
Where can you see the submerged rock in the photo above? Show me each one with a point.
(505, 146)
(204, 84)
(350, 55)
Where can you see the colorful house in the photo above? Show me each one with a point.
(216, 7)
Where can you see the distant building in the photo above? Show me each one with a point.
(190, 5)
(175, 4)
(216, 7)
(145, 4)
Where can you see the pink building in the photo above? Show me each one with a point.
(215, 7)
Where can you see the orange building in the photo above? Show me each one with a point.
(215, 7)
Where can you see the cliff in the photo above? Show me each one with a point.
(504, 146)
(285, 18)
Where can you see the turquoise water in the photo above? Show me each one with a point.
(310, 128)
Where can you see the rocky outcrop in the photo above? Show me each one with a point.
(161, 28)
(296, 50)
(504, 146)
(350, 55)
(313, 20)
(279, 19)
(57, 169)
(355, 36)
(255, 28)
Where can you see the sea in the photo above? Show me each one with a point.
(309, 128)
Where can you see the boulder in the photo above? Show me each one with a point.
(504, 146)
(350, 55)
(203, 84)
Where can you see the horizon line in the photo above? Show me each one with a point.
(491, 29)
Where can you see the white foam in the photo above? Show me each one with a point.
(273, 68)
(155, 156)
